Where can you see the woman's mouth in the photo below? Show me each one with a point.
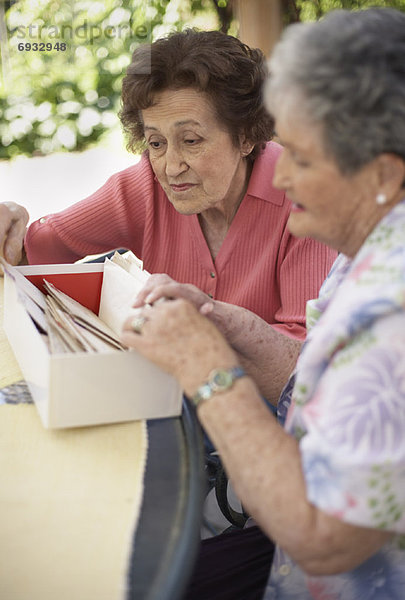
(181, 187)
(295, 207)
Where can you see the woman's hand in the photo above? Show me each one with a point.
(266, 354)
(180, 341)
(162, 286)
(13, 225)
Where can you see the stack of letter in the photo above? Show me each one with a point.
(68, 326)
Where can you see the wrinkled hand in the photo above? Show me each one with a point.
(162, 286)
(180, 341)
(13, 225)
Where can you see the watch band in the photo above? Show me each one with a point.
(219, 380)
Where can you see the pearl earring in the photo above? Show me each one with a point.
(381, 198)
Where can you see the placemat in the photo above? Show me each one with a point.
(9, 369)
(69, 502)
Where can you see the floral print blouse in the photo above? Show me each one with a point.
(348, 413)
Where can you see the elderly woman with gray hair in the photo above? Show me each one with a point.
(329, 488)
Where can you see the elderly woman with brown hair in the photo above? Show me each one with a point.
(200, 204)
(329, 489)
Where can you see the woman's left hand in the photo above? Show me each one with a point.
(160, 285)
(180, 341)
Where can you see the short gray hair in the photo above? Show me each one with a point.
(349, 68)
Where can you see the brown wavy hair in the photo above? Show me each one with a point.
(229, 72)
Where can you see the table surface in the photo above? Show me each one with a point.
(160, 552)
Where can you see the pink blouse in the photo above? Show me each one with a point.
(260, 265)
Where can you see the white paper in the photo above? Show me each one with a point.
(24, 285)
(118, 293)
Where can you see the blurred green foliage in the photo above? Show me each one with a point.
(311, 10)
(55, 97)
(68, 97)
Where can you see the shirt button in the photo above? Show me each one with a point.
(284, 570)
(42, 220)
(212, 274)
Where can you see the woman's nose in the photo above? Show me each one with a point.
(281, 177)
(175, 164)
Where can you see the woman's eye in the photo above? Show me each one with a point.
(301, 162)
(155, 145)
(191, 141)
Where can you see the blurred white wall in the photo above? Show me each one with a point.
(50, 183)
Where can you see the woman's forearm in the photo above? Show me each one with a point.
(264, 464)
(266, 354)
(262, 460)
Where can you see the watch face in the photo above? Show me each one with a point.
(221, 380)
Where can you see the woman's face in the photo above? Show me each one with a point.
(192, 155)
(339, 210)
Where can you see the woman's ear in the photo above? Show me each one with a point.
(245, 146)
(391, 174)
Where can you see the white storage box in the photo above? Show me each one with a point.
(78, 389)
